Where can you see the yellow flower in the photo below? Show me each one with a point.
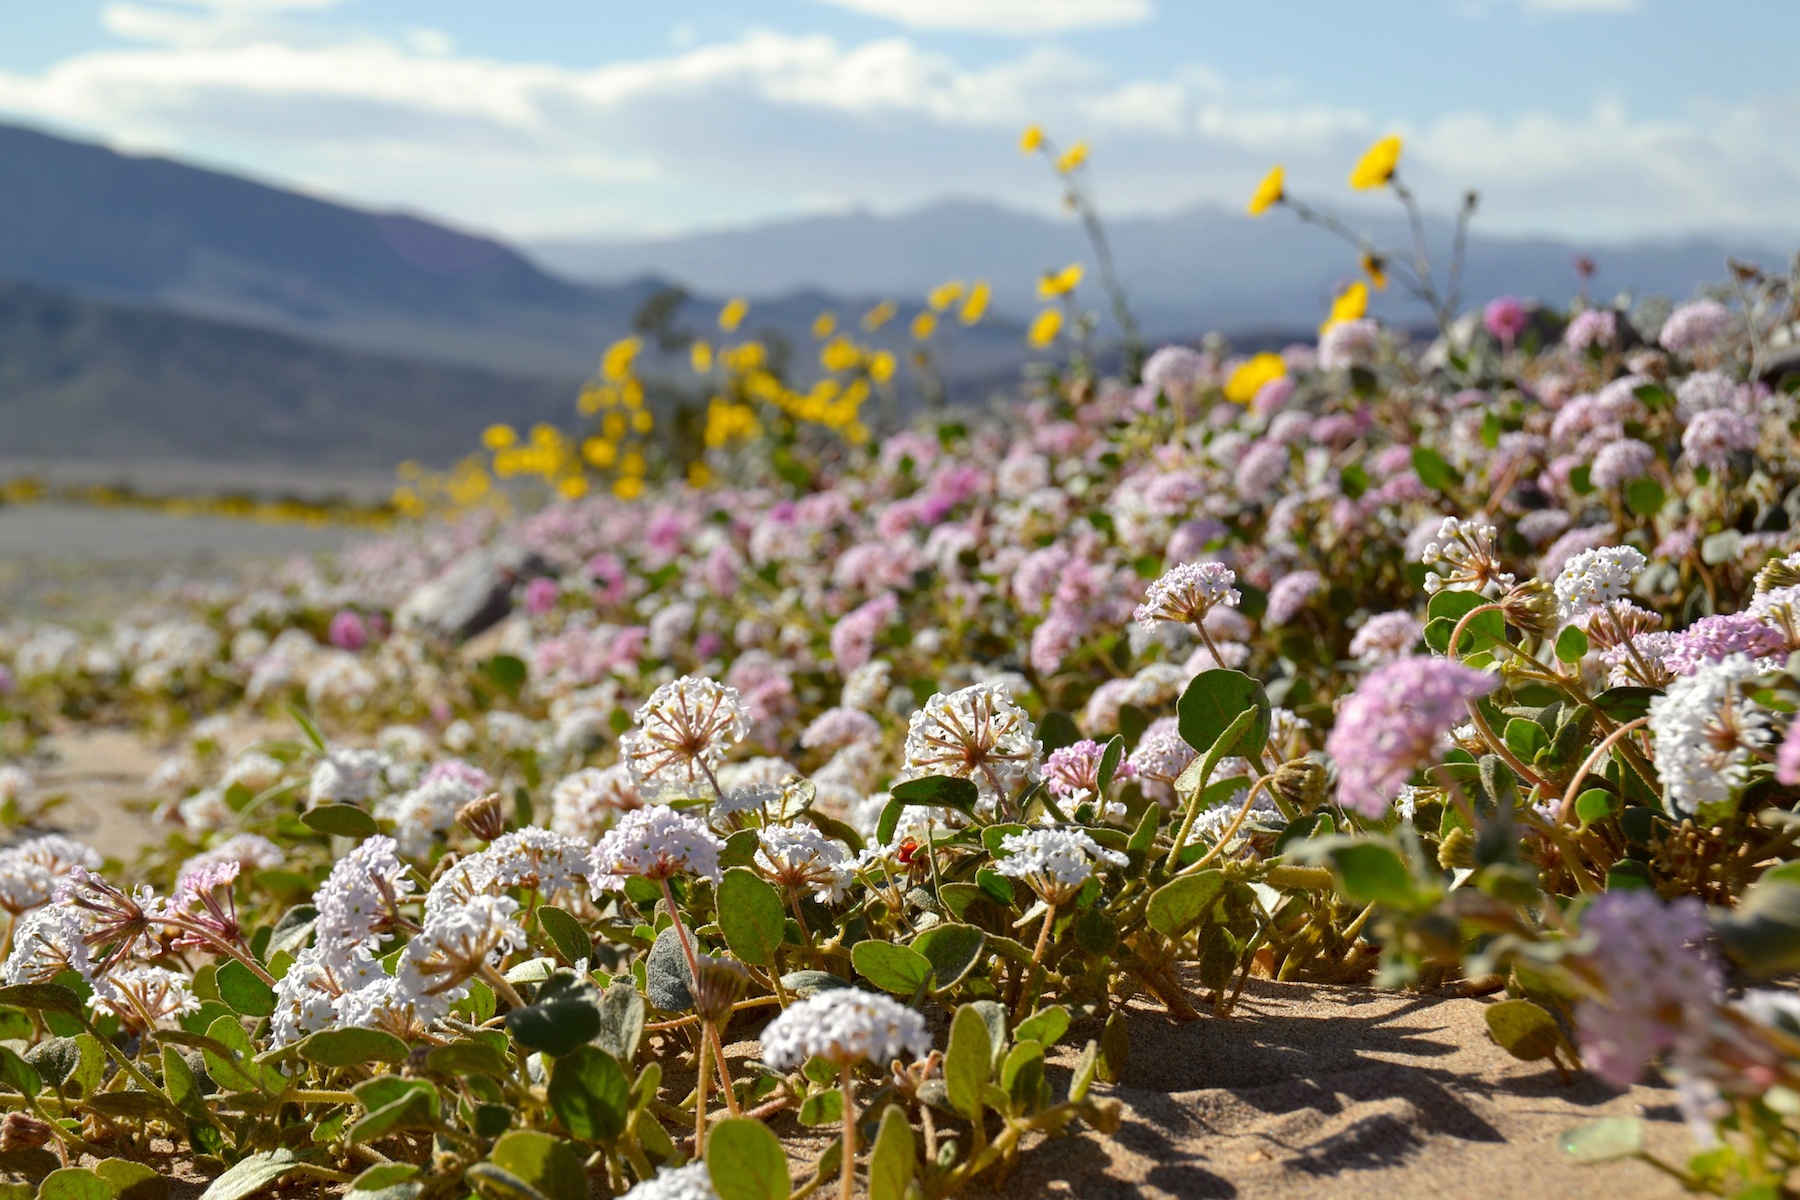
(498, 437)
(1270, 192)
(824, 325)
(1060, 283)
(923, 326)
(945, 294)
(881, 366)
(1351, 304)
(1032, 140)
(975, 303)
(629, 487)
(599, 452)
(1376, 270)
(1044, 328)
(733, 314)
(572, 487)
(699, 474)
(839, 354)
(1377, 165)
(616, 364)
(1249, 378)
(1072, 158)
(880, 315)
(642, 421)
(700, 356)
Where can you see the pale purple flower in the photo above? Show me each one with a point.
(1072, 772)
(1394, 724)
(348, 631)
(1349, 344)
(844, 1026)
(1291, 594)
(1385, 637)
(540, 595)
(1264, 465)
(1174, 371)
(1620, 462)
(1693, 326)
(1787, 759)
(853, 637)
(1713, 436)
(1657, 983)
(1716, 637)
(1160, 758)
(1591, 327)
(1186, 593)
(656, 843)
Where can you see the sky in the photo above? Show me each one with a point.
(1605, 120)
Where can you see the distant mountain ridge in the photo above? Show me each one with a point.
(1200, 269)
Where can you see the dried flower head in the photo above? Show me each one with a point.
(977, 733)
(683, 731)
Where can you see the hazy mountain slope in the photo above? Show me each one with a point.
(83, 378)
(1199, 269)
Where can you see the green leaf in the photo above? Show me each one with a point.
(968, 1061)
(495, 1183)
(255, 1173)
(415, 1108)
(621, 1021)
(1645, 497)
(1176, 905)
(506, 672)
(933, 790)
(893, 1158)
(1056, 729)
(243, 991)
(1571, 644)
(468, 1056)
(1109, 762)
(891, 967)
(1433, 471)
(1526, 1030)
(590, 1094)
(543, 1162)
(746, 1162)
(564, 1015)
(1446, 611)
(1604, 1140)
(131, 1180)
(751, 916)
(1762, 934)
(1213, 701)
(1621, 703)
(565, 933)
(353, 1047)
(1525, 738)
(667, 980)
(46, 997)
(1044, 1027)
(18, 1074)
(74, 1183)
(236, 1072)
(1596, 804)
(822, 1108)
(387, 1181)
(182, 1085)
(953, 951)
(308, 727)
(1371, 872)
(340, 820)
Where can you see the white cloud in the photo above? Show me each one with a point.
(1013, 18)
(770, 124)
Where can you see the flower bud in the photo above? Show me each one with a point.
(484, 817)
(22, 1131)
(1457, 849)
(1778, 573)
(1531, 606)
(1302, 783)
(721, 981)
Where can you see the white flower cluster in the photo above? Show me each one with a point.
(348, 777)
(1705, 733)
(586, 803)
(1054, 862)
(656, 843)
(977, 733)
(1186, 593)
(692, 1182)
(559, 869)
(800, 856)
(31, 871)
(843, 1026)
(1596, 577)
(683, 731)
(1463, 556)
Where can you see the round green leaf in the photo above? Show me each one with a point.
(1176, 905)
(590, 1094)
(1213, 701)
(543, 1162)
(891, 967)
(746, 1162)
(751, 916)
(340, 820)
(352, 1047)
(243, 991)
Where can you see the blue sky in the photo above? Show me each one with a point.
(1602, 119)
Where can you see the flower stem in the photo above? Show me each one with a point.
(847, 1180)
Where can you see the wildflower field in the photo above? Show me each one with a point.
(810, 797)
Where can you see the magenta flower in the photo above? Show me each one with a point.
(540, 595)
(348, 631)
(1787, 759)
(1393, 724)
(1505, 319)
(1659, 983)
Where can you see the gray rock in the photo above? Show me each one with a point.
(473, 594)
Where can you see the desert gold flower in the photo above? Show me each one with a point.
(700, 355)
(924, 325)
(1351, 304)
(1250, 377)
(1376, 270)
(1060, 283)
(572, 487)
(1072, 158)
(945, 294)
(880, 315)
(824, 325)
(615, 364)
(881, 366)
(599, 452)
(1044, 328)
(1377, 165)
(1269, 192)
(975, 304)
(498, 437)
(1032, 139)
(733, 314)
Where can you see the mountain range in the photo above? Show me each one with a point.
(151, 308)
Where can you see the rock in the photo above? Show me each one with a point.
(474, 593)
